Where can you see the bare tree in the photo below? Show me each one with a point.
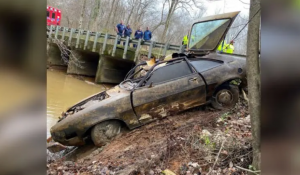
(109, 15)
(253, 76)
(82, 14)
(173, 6)
(132, 4)
(103, 15)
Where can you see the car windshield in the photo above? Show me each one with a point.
(207, 35)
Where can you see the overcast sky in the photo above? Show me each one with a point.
(230, 6)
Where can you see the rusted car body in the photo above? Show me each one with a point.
(186, 81)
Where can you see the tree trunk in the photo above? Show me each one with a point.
(110, 12)
(131, 12)
(116, 10)
(172, 9)
(253, 76)
(137, 12)
(82, 14)
(94, 14)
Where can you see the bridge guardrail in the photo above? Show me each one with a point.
(52, 31)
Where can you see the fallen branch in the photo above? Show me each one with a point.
(216, 158)
(67, 55)
(250, 171)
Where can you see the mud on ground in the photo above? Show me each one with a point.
(187, 143)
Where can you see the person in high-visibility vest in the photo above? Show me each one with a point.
(185, 40)
(223, 44)
(230, 48)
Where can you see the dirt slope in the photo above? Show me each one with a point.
(186, 143)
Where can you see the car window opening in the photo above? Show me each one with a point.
(141, 76)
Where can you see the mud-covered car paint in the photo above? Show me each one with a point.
(142, 105)
(149, 101)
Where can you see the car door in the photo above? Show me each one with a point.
(170, 89)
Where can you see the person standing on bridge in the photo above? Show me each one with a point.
(138, 35)
(127, 32)
(147, 34)
(120, 29)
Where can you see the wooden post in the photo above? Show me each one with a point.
(126, 47)
(56, 31)
(86, 40)
(115, 46)
(50, 33)
(95, 41)
(150, 49)
(180, 49)
(104, 43)
(137, 50)
(70, 37)
(63, 35)
(78, 38)
(165, 49)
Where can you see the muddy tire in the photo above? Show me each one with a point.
(103, 132)
(225, 97)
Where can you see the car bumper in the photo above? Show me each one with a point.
(75, 141)
(60, 138)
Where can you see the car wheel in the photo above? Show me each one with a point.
(226, 96)
(103, 132)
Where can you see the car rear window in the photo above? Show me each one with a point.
(204, 65)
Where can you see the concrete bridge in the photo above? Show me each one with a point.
(99, 54)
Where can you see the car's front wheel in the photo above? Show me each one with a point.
(225, 97)
(103, 132)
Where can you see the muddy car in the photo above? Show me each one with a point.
(198, 77)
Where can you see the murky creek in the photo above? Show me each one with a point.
(64, 91)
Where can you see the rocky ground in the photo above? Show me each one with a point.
(198, 141)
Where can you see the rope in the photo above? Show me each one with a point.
(246, 25)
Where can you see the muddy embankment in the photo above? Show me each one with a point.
(197, 141)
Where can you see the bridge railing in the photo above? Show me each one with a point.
(53, 32)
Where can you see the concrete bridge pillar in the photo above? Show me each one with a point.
(54, 55)
(112, 69)
(83, 63)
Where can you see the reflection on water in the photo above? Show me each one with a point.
(64, 91)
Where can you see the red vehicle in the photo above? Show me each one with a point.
(53, 16)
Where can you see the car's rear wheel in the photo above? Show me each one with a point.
(103, 132)
(225, 97)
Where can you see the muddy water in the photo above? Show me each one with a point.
(64, 91)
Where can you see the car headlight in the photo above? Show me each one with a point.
(58, 134)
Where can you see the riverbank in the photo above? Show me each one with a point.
(194, 142)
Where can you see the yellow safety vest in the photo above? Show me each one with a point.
(229, 48)
(220, 47)
(185, 40)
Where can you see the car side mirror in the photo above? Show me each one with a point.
(151, 85)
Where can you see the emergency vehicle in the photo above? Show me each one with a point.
(53, 16)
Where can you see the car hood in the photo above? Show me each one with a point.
(115, 91)
(207, 34)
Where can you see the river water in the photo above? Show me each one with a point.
(64, 91)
